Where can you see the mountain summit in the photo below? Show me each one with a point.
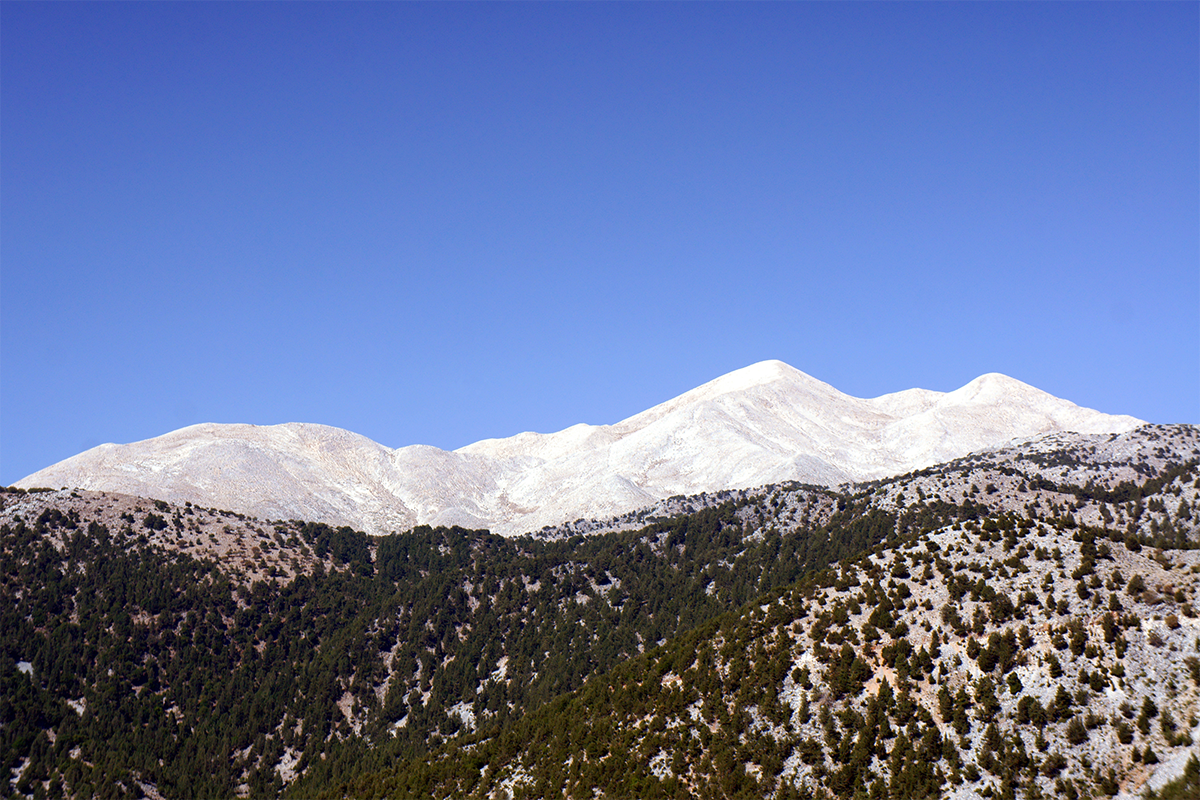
(765, 423)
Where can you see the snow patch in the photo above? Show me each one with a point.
(464, 712)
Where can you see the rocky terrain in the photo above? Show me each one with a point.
(1037, 650)
(249, 549)
(765, 424)
(782, 641)
(961, 663)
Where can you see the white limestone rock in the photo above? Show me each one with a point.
(766, 423)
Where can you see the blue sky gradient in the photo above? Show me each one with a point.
(436, 223)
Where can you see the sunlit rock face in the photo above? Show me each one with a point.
(766, 423)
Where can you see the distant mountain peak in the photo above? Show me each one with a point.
(762, 372)
(765, 423)
(758, 374)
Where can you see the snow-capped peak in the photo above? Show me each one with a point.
(764, 423)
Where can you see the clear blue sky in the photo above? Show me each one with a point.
(440, 223)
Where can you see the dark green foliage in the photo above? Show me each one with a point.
(1078, 636)
(1076, 732)
(197, 684)
(1054, 764)
(596, 728)
(1000, 653)
(1149, 709)
(1193, 665)
(847, 673)
(1029, 710)
(1185, 787)
(1055, 666)
(986, 704)
(202, 669)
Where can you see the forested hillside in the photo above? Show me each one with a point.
(149, 648)
(119, 652)
(997, 658)
(1005, 656)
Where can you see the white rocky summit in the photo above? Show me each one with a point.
(766, 423)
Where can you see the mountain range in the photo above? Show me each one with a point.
(1018, 622)
(764, 424)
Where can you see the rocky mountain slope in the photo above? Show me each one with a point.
(764, 424)
(154, 648)
(1013, 654)
(996, 660)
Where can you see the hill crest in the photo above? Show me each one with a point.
(765, 423)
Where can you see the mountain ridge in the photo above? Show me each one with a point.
(192, 651)
(765, 423)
